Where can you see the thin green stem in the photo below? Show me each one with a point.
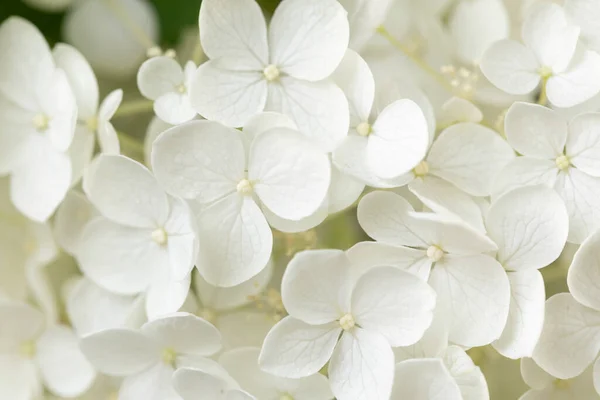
(134, 107)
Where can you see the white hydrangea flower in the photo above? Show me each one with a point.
(380, 145)
(585, 14)
(570, 340)
(364, 16)
(197, 384)
(163, 80)
(472, 287)
(34, 356)
(351, 322)
(556, 154)
(546, 387)
(549, 55)
(530, 227)
(147, 357)
(151, 235)
(232, 176)
(153, 131)
(37, 115)
(70, 220)
(242, 365)
(282, 70)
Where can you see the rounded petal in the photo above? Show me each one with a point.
(362, 366)
(530, 225)
(26, 323)
(301, 225)
(535, 131)
(166, 294)
(355, 78)
(584, 273)
(585, 13)
(189, 383)
(158, 76)
(81, 152)
(469, 156)
(129, 266)
(227, 96)
(81, 79)
(308, 38)
(474, 295)
(242, 365)
(64, 369)
(468, 376)
(155, 128)
(184, 333)
(344, 190)
(580, 193)
(457, 109)
(71, 218)
(201, 160)
(525, 171)
(235, 241)
(533, 375)
(570, 339)
(20, 378)
(580, 83)
(263, 122)
(525, 317)
(295, 349)
(583, 143)
(234, 31)
(319, 109)
(399, 140)
(290, 175)
(124, 191)
(155, 383)
(393, 303)
(315, 286)
(174, 108)
(511, 67)
(426, 379)
(40, 184)
(119, 352)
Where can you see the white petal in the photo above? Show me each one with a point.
(158, 76)
(184, 333)
(457, 109)
(124, 191)
(155, 128)
(129, 266)
(291, 176)
(476, 25)
(584, 273)
(234, 31)
(469, 156)
(315, 286)
(530, 226)
(39, 185)
(344, 190)
(242, 365)
(70, 220)
(366, 255)
(354, 77)
(468, 376)
(235, 241)
(446, 199)
(182, 245)
(533, 375)
(583, 143)
(570, 340)
(585, 13)
(525, 317)
(119, 352)
(91, 308)
(399, 140)
(81, 78)
(425, 379)
(20, 378)
(301, 225)
(57, 101)
(174, 108)
(26, 323)
(474, 294)
(107, 135)
(511, 67)
(201, 160)
(227, 96)
(393, 303)
(319, 109)
(64, 369)
(294, 349)
(580, 193)
(580, 83)
(308, 38)
(80, 152)
(535, 131)
(190, 383)
(364, 18)
(525, 171)
(166, 294)
(110, 104)
(362, 366)
(155, 383)
(263, 122)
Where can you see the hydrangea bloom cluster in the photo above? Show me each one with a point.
(351, 200)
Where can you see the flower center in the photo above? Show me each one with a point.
(347, 322)
(434, 253)
(41, 122)
(363, 129)
(545, 72)
(169, 356)
(159, 235)
(421, 169)
(244, 187)
(286, 396)
(561, 384)
(27, 349)
(271, 72)
(181, 88)
(563, 162)
(92, 123)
